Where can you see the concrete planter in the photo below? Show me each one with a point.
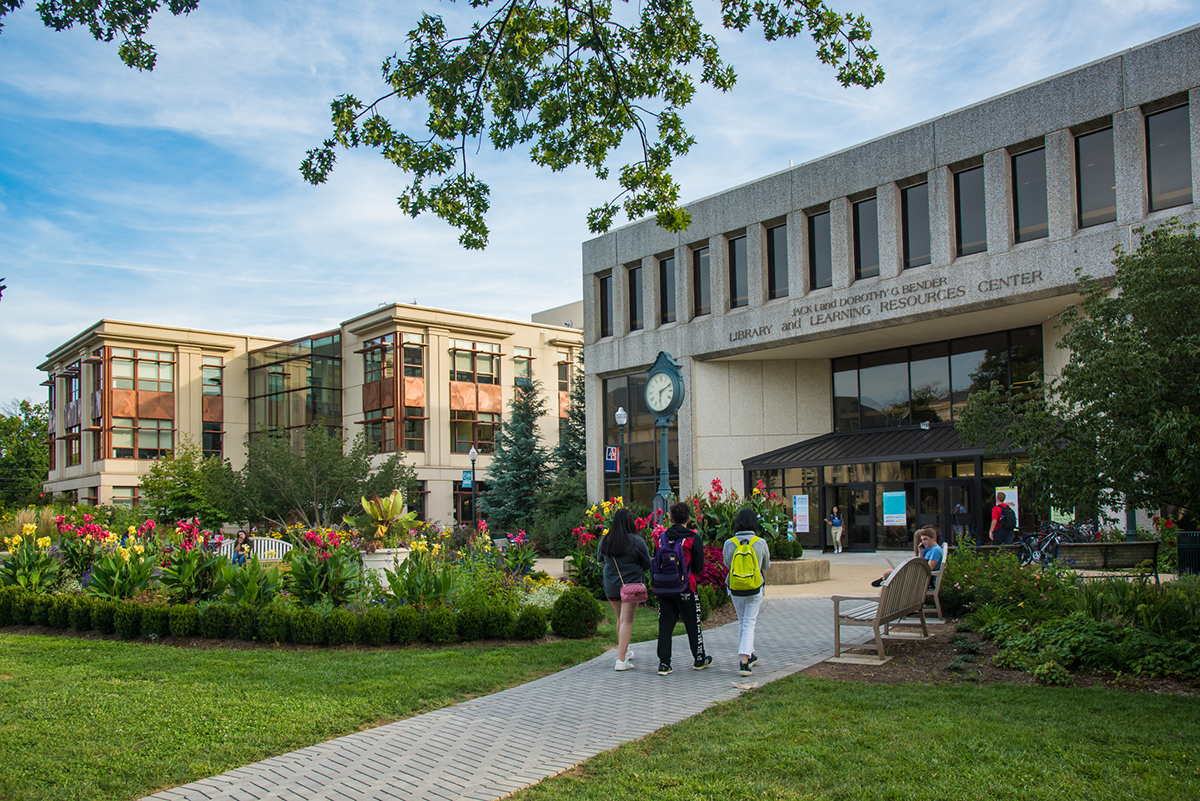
(797, 571)
(383, 559)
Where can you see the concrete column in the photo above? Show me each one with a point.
(891, 243)
(593, 391)
(591, 309)
(942, 248)
(683, 285)
(1060, 185)
(997, 198)
(1194, 114)
(718, 274)
(650, 292)
(620, 275)
(686, 429)
(841, 231)
(1129, 146)
(437, 392)
(797, 250)
(756, 264)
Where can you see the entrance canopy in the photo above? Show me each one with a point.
(876, 445)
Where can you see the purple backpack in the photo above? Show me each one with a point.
(669, 568)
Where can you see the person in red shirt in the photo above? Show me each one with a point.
(999, 534)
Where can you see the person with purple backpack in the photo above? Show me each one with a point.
(674, 572)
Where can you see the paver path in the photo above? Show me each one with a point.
(490, 746)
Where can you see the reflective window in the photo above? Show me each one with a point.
(975, 363)
(777, 262)
(866, 239)
(606, 307)
(414, 428)
(295, 384)
(210, 374)
(522, 365)
(379, 358)
(474, 362)
(739, 276)
(635, 299)
(845, 394)
(929, 374)
(380, 430)
(970, 222)
(1029, 195)
(914, 214)
(213, 439)
(701, 288)
(414, 355)
(1169, 157)
(820, 251)
(883, 389)
(473, 428)
(1096, 178)
(666, 290)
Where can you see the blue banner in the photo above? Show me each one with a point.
(466, 482)
(612, 459)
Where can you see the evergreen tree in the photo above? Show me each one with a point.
(519, 468)
(570, 454)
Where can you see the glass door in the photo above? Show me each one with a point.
(963, 501)
(835, 496)
(860, 516)
(930, 506)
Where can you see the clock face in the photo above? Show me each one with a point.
(660, 391)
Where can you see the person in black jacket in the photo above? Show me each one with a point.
(626, 559)
(684, 606)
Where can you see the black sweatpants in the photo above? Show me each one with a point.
(673, 608)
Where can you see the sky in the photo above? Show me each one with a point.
(174, 197)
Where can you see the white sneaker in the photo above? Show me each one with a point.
(626, 665)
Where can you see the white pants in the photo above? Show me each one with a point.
(747, 607)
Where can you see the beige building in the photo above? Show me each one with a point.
(427, 382)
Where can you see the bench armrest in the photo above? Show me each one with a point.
(854, 597)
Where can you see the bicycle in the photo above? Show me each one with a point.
(1041, 547)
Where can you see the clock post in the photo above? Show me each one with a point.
(664, 395)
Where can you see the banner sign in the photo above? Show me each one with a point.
(466, 482)
(800, 514)
(612, 459)
(1062, 517)
(895, 511)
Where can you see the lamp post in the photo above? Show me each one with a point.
(622, 418)
(474, 454)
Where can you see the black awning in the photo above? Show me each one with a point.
(856, 447)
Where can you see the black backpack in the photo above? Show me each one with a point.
(669, 568)
(1008, 518)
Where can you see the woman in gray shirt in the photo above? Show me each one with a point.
(626, 559)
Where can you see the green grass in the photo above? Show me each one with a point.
(102, 719)
(817, 739)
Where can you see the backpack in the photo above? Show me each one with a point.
(669, 568)
(745, 573)
(1008, 518)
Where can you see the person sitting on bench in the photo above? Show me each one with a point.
(930, 551)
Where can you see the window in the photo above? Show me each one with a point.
(473, 428)
(154, 371)
(845, 394)
(914, 223)
(635, 299)
(74, 445)
(213, 440)
(1096, 178)
(72, 384)
(125, 496)
(866, 239)
(142, 439)
(1169, 158)
(522, 366)
(777, 262)
(379, 358)
(666, 290)
(415, 500)
(606, 307)
(1029, 195)
(296, 384)
(474, 362)
(380, 430)
(739, 276)
(970, 222)
(210, 375)
(414, 355)
(701, 289)
(564, 371)
(414, 428)
(820, 251)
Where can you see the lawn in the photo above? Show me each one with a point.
(102, 719)
(802, 738)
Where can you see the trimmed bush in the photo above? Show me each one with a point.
(275, 623)
(184, 620)
(375, 626)
(438, 627)
(104, 616)
(6, 599)
(576, 614)
(156, 621)
(80, 613)
(59, 611)
(406, 625)
(41, 609)
(243, 622)
(531, 623)
(308, 627)
(501, 622)
(341, 627)
(706, 594)
(22, 607)
(128, 619)
(471, 622)
(214, 621)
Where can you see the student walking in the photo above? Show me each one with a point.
(626, 559)
(746, 554)
(674, 570)
(835, 529)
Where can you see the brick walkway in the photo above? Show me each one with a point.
(490, 746)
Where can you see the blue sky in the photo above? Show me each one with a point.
(174, 197)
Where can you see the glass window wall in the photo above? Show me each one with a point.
(1030, 212)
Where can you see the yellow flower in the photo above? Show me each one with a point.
(133, 529)
(757, 491)
(28, 529)
(139, 550)
(44, 542)
(123, 553)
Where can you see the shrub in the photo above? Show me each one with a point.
(341, 627)
(531, 623)
(6, 599)
(128, 619)
(1052, 673)
(308, 627)
(243, 621)
(104, 613)
(214, 621)
(708, 600)
(500, 621)
(406, 625)
(59, 611)
(275, 622)
(438, 627)
(80, 613)
(41, 610)
(576, 614)
(156, 621)
(22, 607)
(470, 622)
(184, 620)
(375, 626)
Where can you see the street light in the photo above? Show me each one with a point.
(622, 418)
(474, 454)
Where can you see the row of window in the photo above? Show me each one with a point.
(381, 429)
(379, 357)
(1168, 161)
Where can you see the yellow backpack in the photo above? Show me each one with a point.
(745, 573)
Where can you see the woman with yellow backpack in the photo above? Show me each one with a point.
(746, 555)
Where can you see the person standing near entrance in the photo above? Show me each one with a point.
(674, 573)
(835, 527)
(1004, 522)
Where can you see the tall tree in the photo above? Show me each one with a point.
(519, 467)
(1121, 425)
(24, 452)
(570, 454)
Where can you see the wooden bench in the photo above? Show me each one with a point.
(902, 594)
(1109, 555)
(934, 593)
(265, 548)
